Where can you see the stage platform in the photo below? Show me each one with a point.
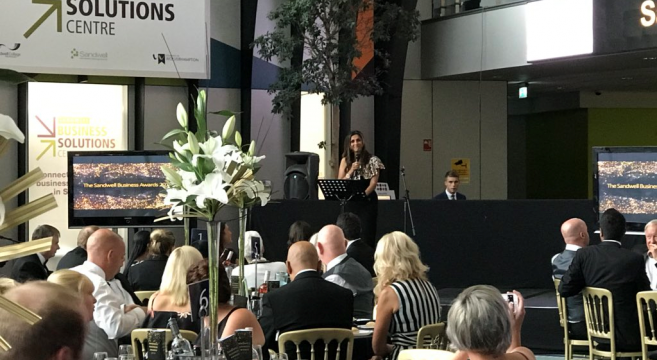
(540, 330)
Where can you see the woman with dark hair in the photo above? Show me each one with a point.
(358, 164)
(147, 275)
(299, 230)
(230, 317)
(139, 249)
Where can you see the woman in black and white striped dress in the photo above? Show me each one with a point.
(407, 300)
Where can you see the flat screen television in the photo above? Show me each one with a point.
(625, 178)
(117, 189)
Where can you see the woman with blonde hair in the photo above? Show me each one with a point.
(482, 326)
(147, 275)
(407, 300)
(80, 284)
(6, 284)
(172, 300)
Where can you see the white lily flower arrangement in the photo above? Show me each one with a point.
(210, 171)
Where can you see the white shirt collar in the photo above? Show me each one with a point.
(335, 261)
(614, 241)
(349, 242)
(41, 258)
(93, 268)
(303, 271)
(572, 247)
(449, 194)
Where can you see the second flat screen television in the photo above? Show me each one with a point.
(117, 189)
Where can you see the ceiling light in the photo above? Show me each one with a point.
(652, 58)
(627, 78)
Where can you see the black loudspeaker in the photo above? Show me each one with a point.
(301, 170)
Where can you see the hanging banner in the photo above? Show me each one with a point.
(156, 38)
(76, 117)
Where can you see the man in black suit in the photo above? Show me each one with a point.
(33, 267)
(78, 255)
(608, 266)
(576, 236)
(307, 302)
(356, 248)
(452, 183)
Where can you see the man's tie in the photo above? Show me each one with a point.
(452, 197)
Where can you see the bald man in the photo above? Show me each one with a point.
(343, 270)
(59, 335)
(305, 303)
(576, 236)
(78, 255)
(115, 315)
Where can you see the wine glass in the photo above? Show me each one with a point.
(100, 356)
(125, 349)
(126, 357)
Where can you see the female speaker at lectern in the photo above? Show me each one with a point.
(358, 164)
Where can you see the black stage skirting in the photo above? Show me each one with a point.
(508, 244)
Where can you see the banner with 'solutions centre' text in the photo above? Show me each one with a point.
(152, 38)
(75, 117)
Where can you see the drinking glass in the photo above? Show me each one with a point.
(281, 356)
(125, 349)
(100, 356)
(126, 357)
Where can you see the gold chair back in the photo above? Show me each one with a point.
(599, 313)
(139, 337)
(432, 337)
(646, 302)
(425, 354)
(144, 295)
(563, 321)
(327, 335)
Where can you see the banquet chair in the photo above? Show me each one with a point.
(139, 337)
(599, 314)
(144, 295)
(646, 302)
(425, 354)
(563, 321)
(432, 337)
(327, 335)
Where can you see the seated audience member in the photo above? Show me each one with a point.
(81, 285)
(262, 263)
(33, 267)
(407, 300)
(147, 275)
(226, 240)
(307, 302)
(650, 255)
(299, 231)
(78, 255)
(576, 236)
(452, 183)
(60, 333)
(356, 248)
(115, 314)
(618, 270)
(229, 318)
(344, 271)
(138, 250)
(482, 326)
(6, 284)
(172, 300)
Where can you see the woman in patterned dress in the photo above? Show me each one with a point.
(407, 300)
(358, 164)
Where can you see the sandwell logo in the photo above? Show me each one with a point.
(9, 50)
(85, 55)
(11, 47)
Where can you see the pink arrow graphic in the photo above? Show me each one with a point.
(51, 131)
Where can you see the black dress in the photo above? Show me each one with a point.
(367, 209)
(159, 320)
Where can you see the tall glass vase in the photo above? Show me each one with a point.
(213, 265)
(243, 215)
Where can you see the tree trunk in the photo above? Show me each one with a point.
(334, 162)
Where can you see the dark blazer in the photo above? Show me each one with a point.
(443, 196)
(307, 302)
(363, 253)
(29, 268)
(72, 258)
(622, 272)
(147, 275)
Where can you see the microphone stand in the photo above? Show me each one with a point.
(407, 202)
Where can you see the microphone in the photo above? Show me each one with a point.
(357, 155)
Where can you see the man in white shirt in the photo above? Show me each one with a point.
(651, 256)
(452, 183)
(345, 271)
(115, 314)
